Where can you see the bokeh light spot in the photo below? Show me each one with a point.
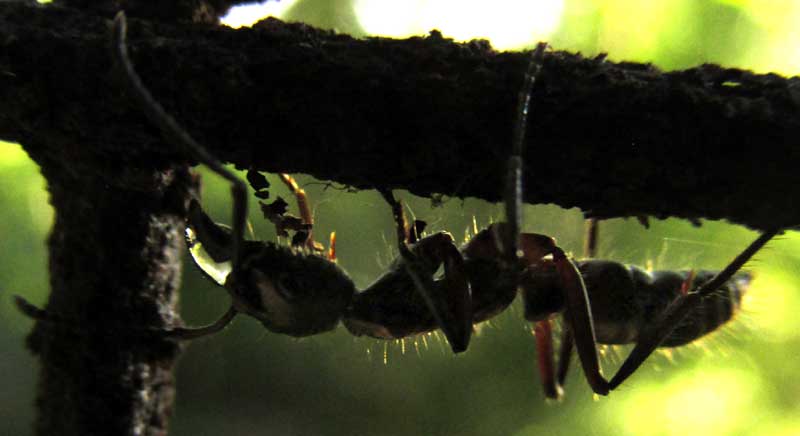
(248, 14)
(699, 402)
(507, 24)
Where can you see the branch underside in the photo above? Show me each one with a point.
(424, 114)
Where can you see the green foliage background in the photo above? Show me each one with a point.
(244, 381)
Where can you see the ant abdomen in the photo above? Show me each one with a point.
(715, 310)
(626, 299)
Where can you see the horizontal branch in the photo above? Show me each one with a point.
(425, 114)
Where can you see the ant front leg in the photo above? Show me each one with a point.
(550, 287)
(174, 132)
(590, 240)
(449, 300)
(177, 333)
(567, 340)
(177, 135)
(578, 317)
(187, 334)
(669, 320)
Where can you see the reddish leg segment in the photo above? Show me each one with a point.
(305, 211)
(544, 354)
(578, 315)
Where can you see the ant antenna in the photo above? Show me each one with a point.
(174, 132)
(514, 181)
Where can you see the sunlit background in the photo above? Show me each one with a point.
(741, 380)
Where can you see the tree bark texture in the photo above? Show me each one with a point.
(424, 114)
(115, 252)
(114, 272)
(195, 11)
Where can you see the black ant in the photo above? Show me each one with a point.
(297, 291)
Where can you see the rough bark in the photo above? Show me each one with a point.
(195, 11)
(114, 271)
(424, 114)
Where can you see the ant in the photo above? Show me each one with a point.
(295, 290)
(627, 302)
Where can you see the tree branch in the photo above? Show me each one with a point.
(425, 114)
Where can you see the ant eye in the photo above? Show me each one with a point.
(290, 286)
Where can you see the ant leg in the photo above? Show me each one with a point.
(31, 311)
(449, 301)
(177, 334)
(567, 341)
(535, 247)
(185, 334)
(331, 254)
(578, 316)
(578, 309)
(175, 133)
(305, 211)
(552, 380)
(578, 313)
(217, 241)
(400, 223)
(678, 309)
(590, 241)
(543, 330)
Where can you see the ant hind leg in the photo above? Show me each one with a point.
(590, 240)
(650, 338)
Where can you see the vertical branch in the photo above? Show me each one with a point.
(114, 269)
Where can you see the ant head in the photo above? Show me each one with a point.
(291, 292)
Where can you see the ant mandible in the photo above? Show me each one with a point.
(296, 291)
